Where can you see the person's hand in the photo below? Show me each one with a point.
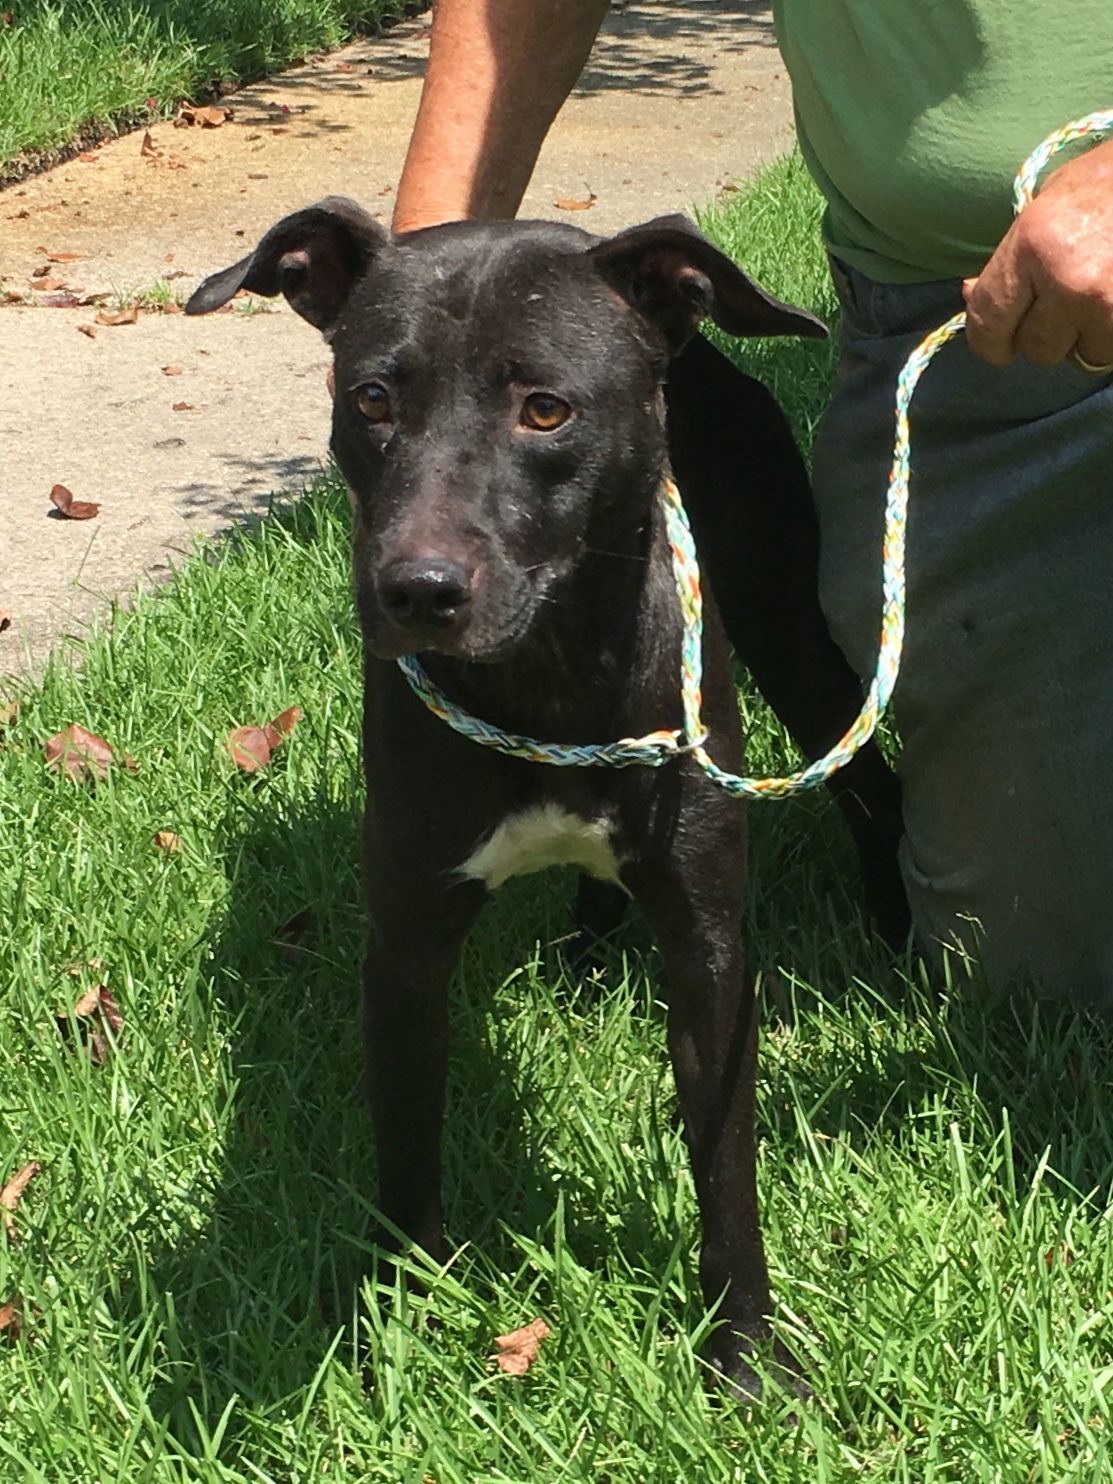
(1047, 291)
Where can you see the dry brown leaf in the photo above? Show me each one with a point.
(171, 370)
(147, 148)
(101, 1001)
(40, 272)
(11, 1318)
(570, 203)
(286, 722)
(205, 115)
(6, 618)
(94, 1012)
(63, 501)
(9, 710)
(48, 285)
(61, 301)
(11, 296)
(167, 840)
(90, 330)
(12, 1193)
(79, 755)
(183, 407)
(250, 747)
(63, 257)
(517, 1351)
(126, 316)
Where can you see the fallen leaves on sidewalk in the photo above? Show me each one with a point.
(61, 257)
(95, 1012)
(12, 1193)
(205, 115)
(6, 617)
(517, 1351)
(90, 330)
(171, 370)
(63, 501)
(147, 148)
(79, 755)
(250, 747)
(126, 316)
(570, 203)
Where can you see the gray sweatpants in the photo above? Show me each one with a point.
(1005, 700)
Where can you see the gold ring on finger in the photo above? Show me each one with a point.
(1085, 365)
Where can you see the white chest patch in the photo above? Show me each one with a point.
(544, 836)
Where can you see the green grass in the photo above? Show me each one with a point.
(935, 1172)
(72, 68)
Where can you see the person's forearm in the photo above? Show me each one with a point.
(498, 72)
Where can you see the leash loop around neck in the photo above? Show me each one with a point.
(657, 748)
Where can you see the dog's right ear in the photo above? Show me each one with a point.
(312, 257)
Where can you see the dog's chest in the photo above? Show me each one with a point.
(544, 835)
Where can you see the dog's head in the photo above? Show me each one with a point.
(497, 407)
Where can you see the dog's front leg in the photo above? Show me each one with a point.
(693, 907)
(417, 926)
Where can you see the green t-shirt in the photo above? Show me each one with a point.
(914, 115)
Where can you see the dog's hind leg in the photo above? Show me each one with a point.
(600, 908)
(749, 500)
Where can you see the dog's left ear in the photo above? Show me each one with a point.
(675, 277)
(312, 257)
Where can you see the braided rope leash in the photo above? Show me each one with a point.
(660, 747)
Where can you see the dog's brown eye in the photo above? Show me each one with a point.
(373, 401)
(545, 412)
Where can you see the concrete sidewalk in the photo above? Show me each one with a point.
(179, 427)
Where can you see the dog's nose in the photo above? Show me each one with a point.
(428, 590)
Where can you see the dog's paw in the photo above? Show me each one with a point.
(753, 1371)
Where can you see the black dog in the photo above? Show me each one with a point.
(500, 417)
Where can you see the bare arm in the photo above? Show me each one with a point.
(498, 73)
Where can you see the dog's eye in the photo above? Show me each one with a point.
(373, 400)
(543, 411)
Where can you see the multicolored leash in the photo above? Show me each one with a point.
(660, 747)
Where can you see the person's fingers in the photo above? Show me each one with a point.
(1048, 332)
(996, 302)
(1094, 342)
